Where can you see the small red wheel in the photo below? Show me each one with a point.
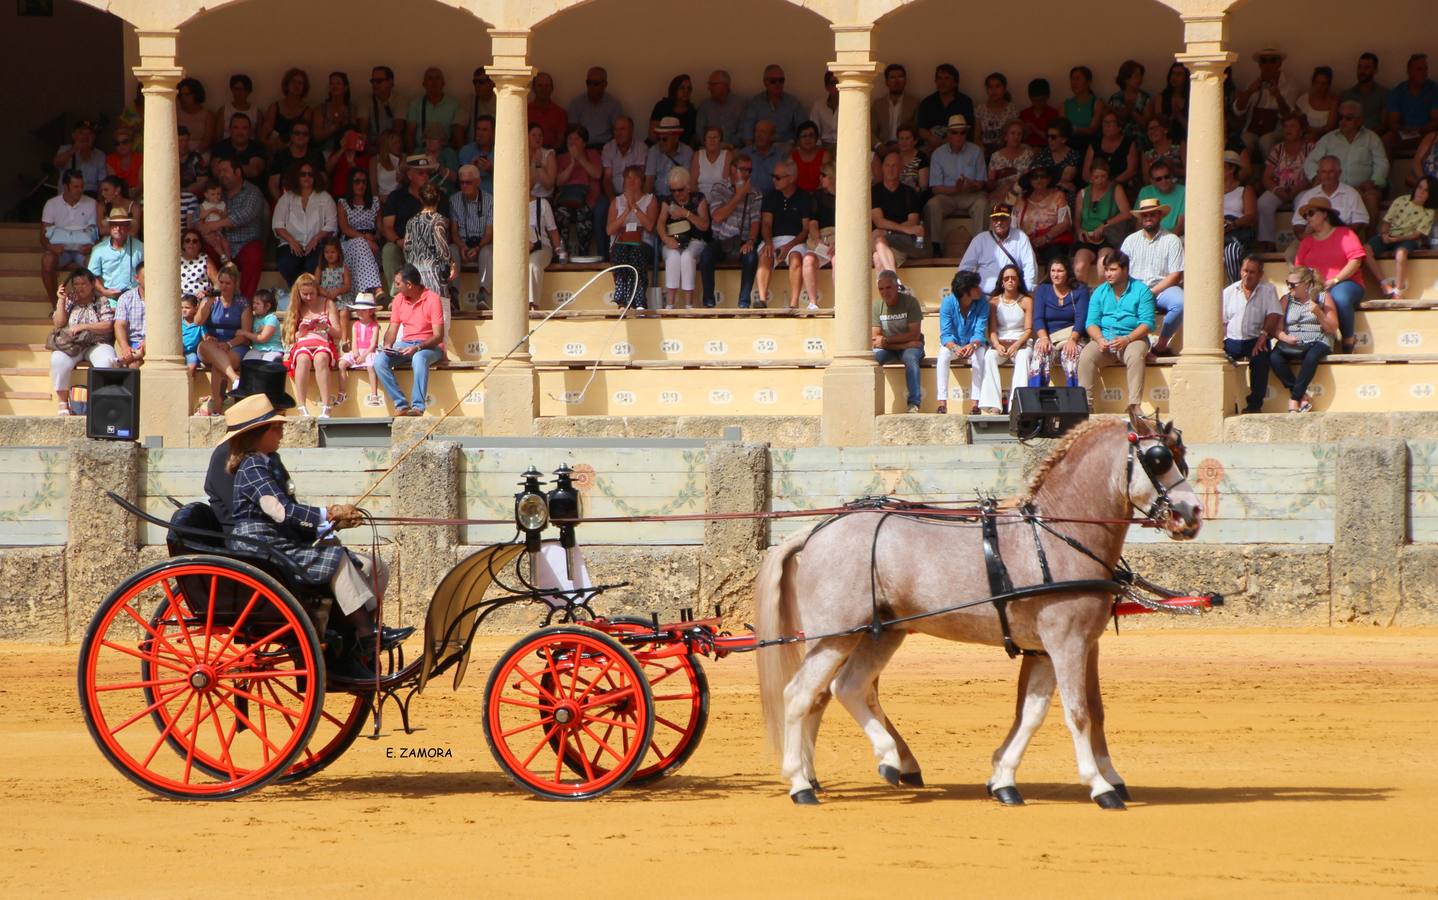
(229, 670)
(562, 693)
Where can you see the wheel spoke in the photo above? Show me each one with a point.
(210, 611)
(284, 710)
(603, 745)
(519, 728)
(584, 758)
(224, 744)
(144, 657)
(149, 709)
(290, 715)
(131, 685)
(608, 698)
(254, 729)
(150, 629)
(180, 618)
(191, 738)
(619, 723)
(265, 675)
(609, 664)
(667, 672)
(524, 704)
(235, 628)
(543, 742)
(672, 697)
(544, 692)
(660, 720)
(250, 651)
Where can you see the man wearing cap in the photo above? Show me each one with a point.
(893, 108)
(595, 109)
(420, 313)
(1263, 104)
(115, 261)
(82, 155)
(471, 224)
(1168, 191)
(431, 107)
(1001, 245)
(1340, 196)
(1360, 154)
(243, 225)
(666, 154)
(399, 207)
(1120, 319)
(720, 109)
(773, 105)
(1156, 262)
(943, 104)
(68, 231)
(956, 178)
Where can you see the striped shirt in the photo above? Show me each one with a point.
(247, 210)
(1151, 261)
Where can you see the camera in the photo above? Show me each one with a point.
(472, 242)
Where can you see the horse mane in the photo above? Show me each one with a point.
(1071, 440)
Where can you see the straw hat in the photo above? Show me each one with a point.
(363, 300)
(417, 161)
(958, 121)
(1151, 204)
(254, 411)
(669, 125)
(1270, 51)
(1316, 202)
(119, 216)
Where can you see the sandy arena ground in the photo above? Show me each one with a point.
(1275, 764)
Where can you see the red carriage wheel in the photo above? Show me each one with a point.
(568, 693)
(343, 718)
(221, 659)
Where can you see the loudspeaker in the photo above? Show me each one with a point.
(113, 412)
(1046, 411)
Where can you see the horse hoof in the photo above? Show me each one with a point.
(889, 774)
(989, 788)
(804, 798)
(1109, 800)
(1008, 796)
(912, 779)
(814, 783)
(1122, 790)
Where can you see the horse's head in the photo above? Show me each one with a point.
(1158, 478)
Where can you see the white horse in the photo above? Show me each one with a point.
(822, 581)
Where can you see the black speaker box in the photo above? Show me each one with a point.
(113, 413)
(1046, 411)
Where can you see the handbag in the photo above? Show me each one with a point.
(74, 344)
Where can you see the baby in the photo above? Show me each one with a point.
(213, 209)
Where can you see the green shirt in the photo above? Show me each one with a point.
(895, 320)
(1118, 316)
(1174, 199)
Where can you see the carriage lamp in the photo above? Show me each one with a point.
(531, 514)
(564, 508)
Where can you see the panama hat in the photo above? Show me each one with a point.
(254, 411)
(1151, 204)
(1270, 51)
(417, 161)
(267, 378)
(669, 125)
(118, 216)
(1313, 203)
(957, 121)
(363, 300)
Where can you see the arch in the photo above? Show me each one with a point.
(541, 12)
(877, 10)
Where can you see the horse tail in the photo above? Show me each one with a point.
(776, 615)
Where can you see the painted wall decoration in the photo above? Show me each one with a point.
(34, 497)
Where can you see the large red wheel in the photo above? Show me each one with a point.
(341, 721)
(552, 697)
(221, 659)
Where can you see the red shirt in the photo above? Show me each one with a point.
(340, 178)
(1040, 123)
(1328, 256)
(552, 120)
(418, 317)
(130, 173)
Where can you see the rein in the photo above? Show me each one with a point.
(962, 517)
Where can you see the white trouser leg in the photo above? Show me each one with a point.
(945, 359)
(1021, 372)
(1267, 208)
(537, 262)
(993, 382)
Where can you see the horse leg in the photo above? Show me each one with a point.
(811, 736)
(803, 698)
(1100, 742)
(1036, 689)
(857, 688)
(1070, 661)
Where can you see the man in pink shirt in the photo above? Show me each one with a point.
(418, 313)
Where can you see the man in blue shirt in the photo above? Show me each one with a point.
(1120, 318)
(956, 178)
(773, 105)
(963, 334)
(116, 261)
(1412, 109)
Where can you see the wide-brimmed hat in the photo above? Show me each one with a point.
(363, 300)
(119, 216)
(255, 411)
(1151, 204)
(957, 121)
(258, 376)
(1002, 211)
(669, 125)
(1316, 202)
(417, 161)
(1270, 51)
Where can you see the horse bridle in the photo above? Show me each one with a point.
(1156, 461)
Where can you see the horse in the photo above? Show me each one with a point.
(839, 580)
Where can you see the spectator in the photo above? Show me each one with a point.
(399, 208)
(1010, 339)
(364, 341)
(721, 108)
(821, 227)
(1120, 319)
(223, 315)
(1008, 163)
(419, 314)
(1171, 104)
(1340, 197)
(213, 209)
(387, 165)
(963, 336)
(311, 333)
(1060, 157)
(1163, 148)
(334, 279)
(1360, 155)
(1038, 115)
(426, 246)
(1262, 105)
(666, 154)
(898, 233)
(1119, 149)
(1284, 177)
(241, 87)
(774, 106)
(480, 152)
(69, 230)
(580, 177)
(677, 102)
(247, 154)
(809, 157)
(114, 262)
(84, 325)
(897, 333)
(299, 151)
(266, 341)
(190, 334)
(1412, 109)
(1103, 214)
(630, 226)
(618, 155)
(433, 107)
(483, 102)
(956, 178)
(825, 112)
(386, 111)
(1336, 253)
(287, 112)
(1084, 110)
(935, 110)
(198, 272)
(115, 194)
(1060, 313)
(443, 161)
(891, 109)
(130, 323)
(1240, 212)
(1319, 107)
(334, 115)
(913, 161)
(545, 244)
(1130, 102)
(1169, 192)
(735, 213)
(1405, 228)
(194, 173)
(1310, 321)
(1043, 214)
(190, 112)
(1372, 95)
(765, 154)
(785, 226)
(133, 118)
(303, 219)
(1156, 262)
(1251, 315)
(997, 247)
(1425, 160)
(349, 158)
(710, 164)
(82, 156)
(683, 226)
(472, 229)
(596, 109)
(125, 163)
(357, 216)
(550, 115)
(995, 113)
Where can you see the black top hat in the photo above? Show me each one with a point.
(268, 378)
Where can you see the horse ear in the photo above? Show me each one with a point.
(1139, 425)
(1168, 427)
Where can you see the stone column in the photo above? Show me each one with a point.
(851, 394)
(509, 394)
(164, 388)
(738, 482)
(1197, 398)
(426, 484)
(103, 548)
(1370, 529)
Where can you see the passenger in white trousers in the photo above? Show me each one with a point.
(1011, 323)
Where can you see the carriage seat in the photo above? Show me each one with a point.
(195, 529)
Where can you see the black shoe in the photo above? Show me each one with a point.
(393, 637)
(349, 668)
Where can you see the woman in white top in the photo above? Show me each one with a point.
(683, 226)
(632, 216)
(1011, 329)
(1320, 105)
(384, 167)
(543, 167)
(825, 112)
(240, 89)
(545, 244)
(304, 217)
(1240, 216)
(711, 164)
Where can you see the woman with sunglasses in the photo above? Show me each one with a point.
(304, 217)
(1332, 250)
(1310, 320)
(198, 272)
(1059, 156)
